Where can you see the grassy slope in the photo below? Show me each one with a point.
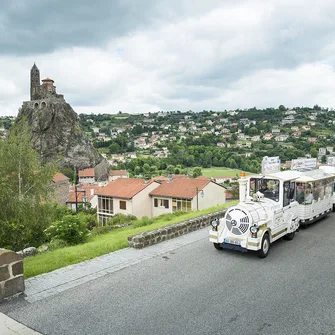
(98, 245)
(220, 172)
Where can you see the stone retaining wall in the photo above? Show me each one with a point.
(11, 274)
(166, 233)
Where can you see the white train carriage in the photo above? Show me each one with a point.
(331, 170)
(314, 193)
(271, 207)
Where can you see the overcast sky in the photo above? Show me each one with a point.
(141, 56)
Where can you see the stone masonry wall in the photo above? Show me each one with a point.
(61, 191)
(166, 233)
(11, 274)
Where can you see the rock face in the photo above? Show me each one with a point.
(56, 134)
(55, 129)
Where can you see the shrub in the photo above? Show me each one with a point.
(101, 230)
(145, 221)
(121, 219)
(91, 220)
(70, 229)
(56, 244)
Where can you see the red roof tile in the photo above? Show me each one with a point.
(124, 187)
(118, 173)
(80, 195)
(180, 188)
(86, 173)
(59, 177)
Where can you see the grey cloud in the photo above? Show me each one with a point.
(30, 27)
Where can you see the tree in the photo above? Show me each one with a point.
(114, 148)
(196, 172)
(314, 152)
(25, 187)
(282, 108)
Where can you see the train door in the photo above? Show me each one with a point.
(282, 216)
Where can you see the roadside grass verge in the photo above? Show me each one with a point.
(220, 172)
(99, 245)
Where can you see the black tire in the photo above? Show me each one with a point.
(289, 236)
(265, 246)
(217, 246)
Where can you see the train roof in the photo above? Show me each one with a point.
(283, 175)
(327, 168)
(301, 176)
(314, 175)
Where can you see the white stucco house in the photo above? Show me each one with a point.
(86, 176)
(186, 194)
(85, 193)
(114, 174)
(129, 196)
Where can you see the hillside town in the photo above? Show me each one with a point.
(167, 167)
(124, 137)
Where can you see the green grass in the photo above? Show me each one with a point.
(219, 172)
(98, 245)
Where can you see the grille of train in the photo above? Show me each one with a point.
(237, 221)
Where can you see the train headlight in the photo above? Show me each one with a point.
(253, 230)
(214, 224)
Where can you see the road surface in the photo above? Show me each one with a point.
(196, 289)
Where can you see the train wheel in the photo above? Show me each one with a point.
(217, 246)
(289, 236)
(265, 246)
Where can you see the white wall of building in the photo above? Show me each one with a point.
(213, 195)
(86, 180)
(142, 201)
(117, 209)
(156, 211)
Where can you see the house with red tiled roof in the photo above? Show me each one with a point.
(114, 174)
(128, 196)
(186, 194)
(86, 176)
(82, 194)
(222, 179)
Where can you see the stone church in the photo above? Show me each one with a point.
(56, 133)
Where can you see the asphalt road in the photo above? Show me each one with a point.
(199, 290)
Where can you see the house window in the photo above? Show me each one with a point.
(103, 219)
(123, 204)
(184, 205)
(161, 203)
(105, 204)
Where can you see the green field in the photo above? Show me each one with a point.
(220, 172)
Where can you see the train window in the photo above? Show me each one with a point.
(300, 193)
(269, 187)
(286, 194)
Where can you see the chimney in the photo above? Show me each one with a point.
(243, 186)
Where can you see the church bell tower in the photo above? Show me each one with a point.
(34, 81)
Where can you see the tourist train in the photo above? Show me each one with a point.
(273, 205)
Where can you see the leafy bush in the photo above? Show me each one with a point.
(145, 221)
(91, 220)
(169, 216)
(56, 244)
(121, 219)
(101, 230)
(71, 229)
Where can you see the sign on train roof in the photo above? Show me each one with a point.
(303, 163)
(270, 164)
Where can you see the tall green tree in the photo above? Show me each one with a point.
(24, 190)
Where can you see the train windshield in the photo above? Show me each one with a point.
(269, 187)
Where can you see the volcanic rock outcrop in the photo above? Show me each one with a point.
(55, 129)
